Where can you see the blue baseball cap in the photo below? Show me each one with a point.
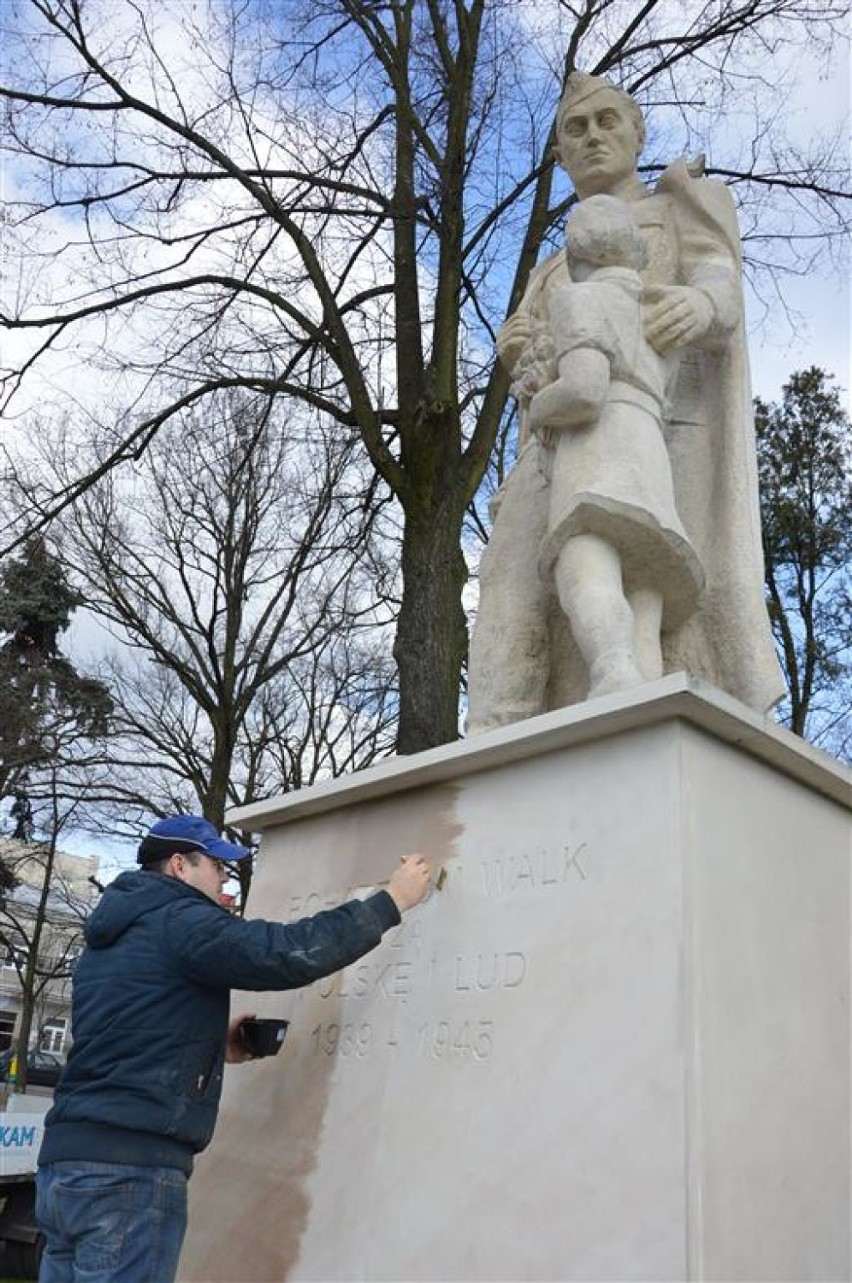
(187, 833)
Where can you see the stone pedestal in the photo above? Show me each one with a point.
(616, 1045)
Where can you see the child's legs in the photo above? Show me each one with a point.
(647, 606)
(591, 592)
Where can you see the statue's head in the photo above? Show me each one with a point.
(600, 132)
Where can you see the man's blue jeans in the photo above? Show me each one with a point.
(110, 1222)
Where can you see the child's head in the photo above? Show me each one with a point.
(602, 231)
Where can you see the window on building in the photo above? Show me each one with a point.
(13, 957)
(53, 1035)
(7, 1028)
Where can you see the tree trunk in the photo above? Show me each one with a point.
(29, 980)
(22, 1043)
(431, 637)
(215, 799)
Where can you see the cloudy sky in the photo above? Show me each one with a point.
(817, 330)
(811, 326)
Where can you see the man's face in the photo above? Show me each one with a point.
(207, 875)
(598, 143)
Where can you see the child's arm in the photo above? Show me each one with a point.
(577, 396)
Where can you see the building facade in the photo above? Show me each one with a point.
(53, 915)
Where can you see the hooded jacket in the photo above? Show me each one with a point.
(150, 1012)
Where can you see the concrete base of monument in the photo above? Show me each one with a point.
(616, 1045)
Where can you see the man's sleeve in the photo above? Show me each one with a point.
(220, 950)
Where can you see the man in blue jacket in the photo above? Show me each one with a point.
(139, 1096)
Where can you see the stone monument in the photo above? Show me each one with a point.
(597, 623)
(616, 1045)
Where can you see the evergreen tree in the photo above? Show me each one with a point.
(805, 461)
(47, 712)
(46, 703)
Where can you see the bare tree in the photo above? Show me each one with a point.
(41, 925)
(234, 568)
(338, 204)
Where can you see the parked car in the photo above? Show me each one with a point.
(43, 1068)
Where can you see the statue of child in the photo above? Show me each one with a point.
(622, 563)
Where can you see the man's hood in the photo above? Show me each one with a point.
(126, 900)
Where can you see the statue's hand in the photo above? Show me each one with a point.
(676, 316)
(514, 339)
